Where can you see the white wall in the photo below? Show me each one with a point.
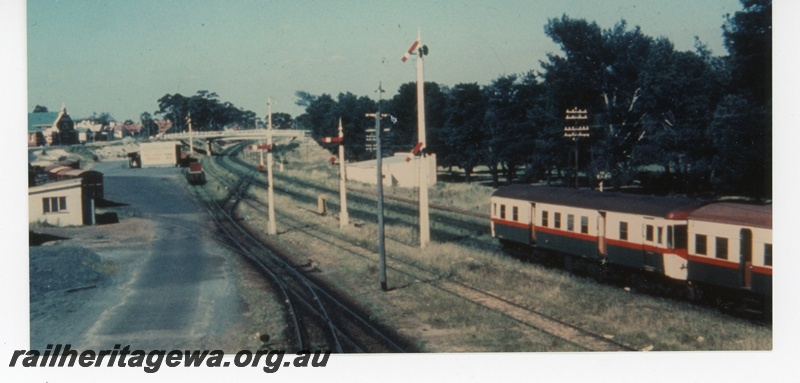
(158, 154)
(396, 171)
(70, 190)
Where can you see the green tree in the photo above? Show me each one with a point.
(403, 107)
(742, 126)
(683, 88)
(149, 127)
(464, 131)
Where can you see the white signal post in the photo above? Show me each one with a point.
(191, 141)
(343, 216)
(271, 229)
(260, 152)
(424, 217)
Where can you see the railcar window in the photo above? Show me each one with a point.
(544, 218)
(502, 211)
(570, 222)
(557, 220)
(648, 233)
(46, 204)
(700, 244)
(681, 237)
(623, 231)
(722, 248)
(494, 206)
(669, 237)
(62, 203)
(515, 214)
(584, 225)
(660, 234)
(767, 254)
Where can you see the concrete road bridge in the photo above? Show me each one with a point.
(248, 134)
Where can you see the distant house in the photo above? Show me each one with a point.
(51, 128)
(164, 126)
(87, 131)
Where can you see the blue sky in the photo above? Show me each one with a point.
(121, 56)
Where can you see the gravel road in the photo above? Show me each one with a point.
(155, 280)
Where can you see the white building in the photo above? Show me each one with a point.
(159, 154)
(62, 203)
(396, 171)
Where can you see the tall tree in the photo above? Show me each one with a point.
(403, 106)
(600, 73)
(465, 134)
(742, 127)
(683, 88)
(149, 127)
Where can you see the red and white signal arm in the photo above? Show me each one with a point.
(328, 140)
(414, 151)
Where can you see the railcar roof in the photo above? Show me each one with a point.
(735, 214)
(666, 207)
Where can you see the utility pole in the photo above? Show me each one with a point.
(576, 129)
(271, 229)
(424, 217)
(379, 165)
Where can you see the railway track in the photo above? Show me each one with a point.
(317, 319)
(447, 224)
(526, 316)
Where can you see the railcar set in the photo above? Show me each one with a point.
(701, 247)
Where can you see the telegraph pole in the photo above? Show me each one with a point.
(379, 165)
(576, 129)
(271, 229)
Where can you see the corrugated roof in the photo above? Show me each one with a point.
(654, 206)
(55, 186)
(38, 120)
(735, 214)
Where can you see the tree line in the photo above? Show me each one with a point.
(671, 121)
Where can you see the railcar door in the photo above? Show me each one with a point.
(651, 259)
(533, 223)
(601, 234)
(746, 256)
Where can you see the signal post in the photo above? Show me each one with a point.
(271, 229)
(344, 218)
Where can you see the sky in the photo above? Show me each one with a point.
(121, 56)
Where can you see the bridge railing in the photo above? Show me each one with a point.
(240, 134)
